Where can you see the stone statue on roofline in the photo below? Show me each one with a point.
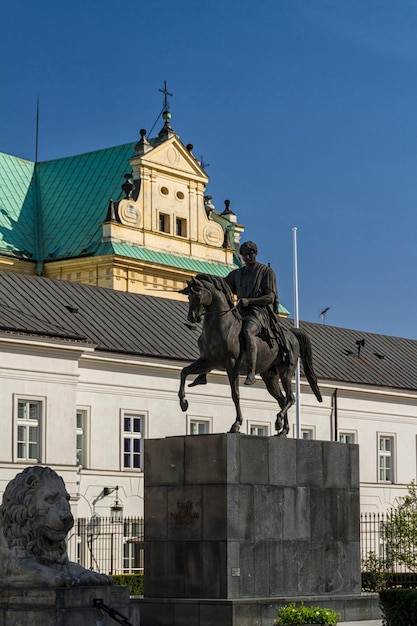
(35, 518)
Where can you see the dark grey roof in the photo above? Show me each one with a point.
(382, 360)
(116, 321)
(15, 321)
(155, 327)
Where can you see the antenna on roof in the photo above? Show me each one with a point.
(37, 130)
(203, 163)
(323, 314)
(361, 344)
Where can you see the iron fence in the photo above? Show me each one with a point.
(107, 545)
(371, 535)
(114, 546)
(387, 536)
(388, 549)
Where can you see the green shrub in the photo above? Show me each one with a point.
(300, 614)
(400, 531)
(374, 573)
(399, 606)
(133, 581)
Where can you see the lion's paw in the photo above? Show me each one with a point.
(94, 578)
(62, 579)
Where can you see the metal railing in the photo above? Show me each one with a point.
(106, 545)
(388, 549)
(376, 535)
(114, 546)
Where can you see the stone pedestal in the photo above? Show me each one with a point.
(235, 517)
(63, 607)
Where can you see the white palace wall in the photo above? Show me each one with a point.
(62, 378)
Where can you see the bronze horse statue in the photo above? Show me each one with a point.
(221, 348)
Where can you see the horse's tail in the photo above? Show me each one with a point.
(306, 354)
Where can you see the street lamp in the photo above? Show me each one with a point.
(116, 509)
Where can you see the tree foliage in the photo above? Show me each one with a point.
(400, 531)
(374, 573)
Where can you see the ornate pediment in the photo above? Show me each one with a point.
(170, 156)
(164, 209)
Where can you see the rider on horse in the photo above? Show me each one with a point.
(255, 286)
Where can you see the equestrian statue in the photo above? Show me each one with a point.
(246, 337)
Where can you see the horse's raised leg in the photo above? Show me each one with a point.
(281, 423)
(233, 374)
(273, 387)
(201, 378)
(200, 366)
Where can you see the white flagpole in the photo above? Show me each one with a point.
(296, 325)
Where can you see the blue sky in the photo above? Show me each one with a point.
(304, 110)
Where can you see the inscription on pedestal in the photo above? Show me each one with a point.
(185, 515)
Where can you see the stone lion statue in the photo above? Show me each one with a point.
(35, 517)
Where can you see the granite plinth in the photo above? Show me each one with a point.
(248, 612)
(232, 516)
(63, 606)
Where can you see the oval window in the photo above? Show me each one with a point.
(164, 191)
(180, 195)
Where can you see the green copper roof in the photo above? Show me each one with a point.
(55, 209)
(17, 206)
(75, 194)
(163, 258)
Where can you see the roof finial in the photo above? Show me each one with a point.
(143, 144)
(228, 213)
(227, 210)
(166, 103)
(166, 132)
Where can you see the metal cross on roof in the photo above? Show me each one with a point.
(166, 94)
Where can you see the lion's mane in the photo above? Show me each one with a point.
(20, 521)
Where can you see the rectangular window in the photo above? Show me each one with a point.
(346, 437)
(29, 414)
(307, 433)
(133, 546)
(180, 227)
(386, 458)
(259, 430)
(81, 437)
(132, 441)
(199, 427)
(164, 223)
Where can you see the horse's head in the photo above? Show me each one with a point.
(199, 298)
